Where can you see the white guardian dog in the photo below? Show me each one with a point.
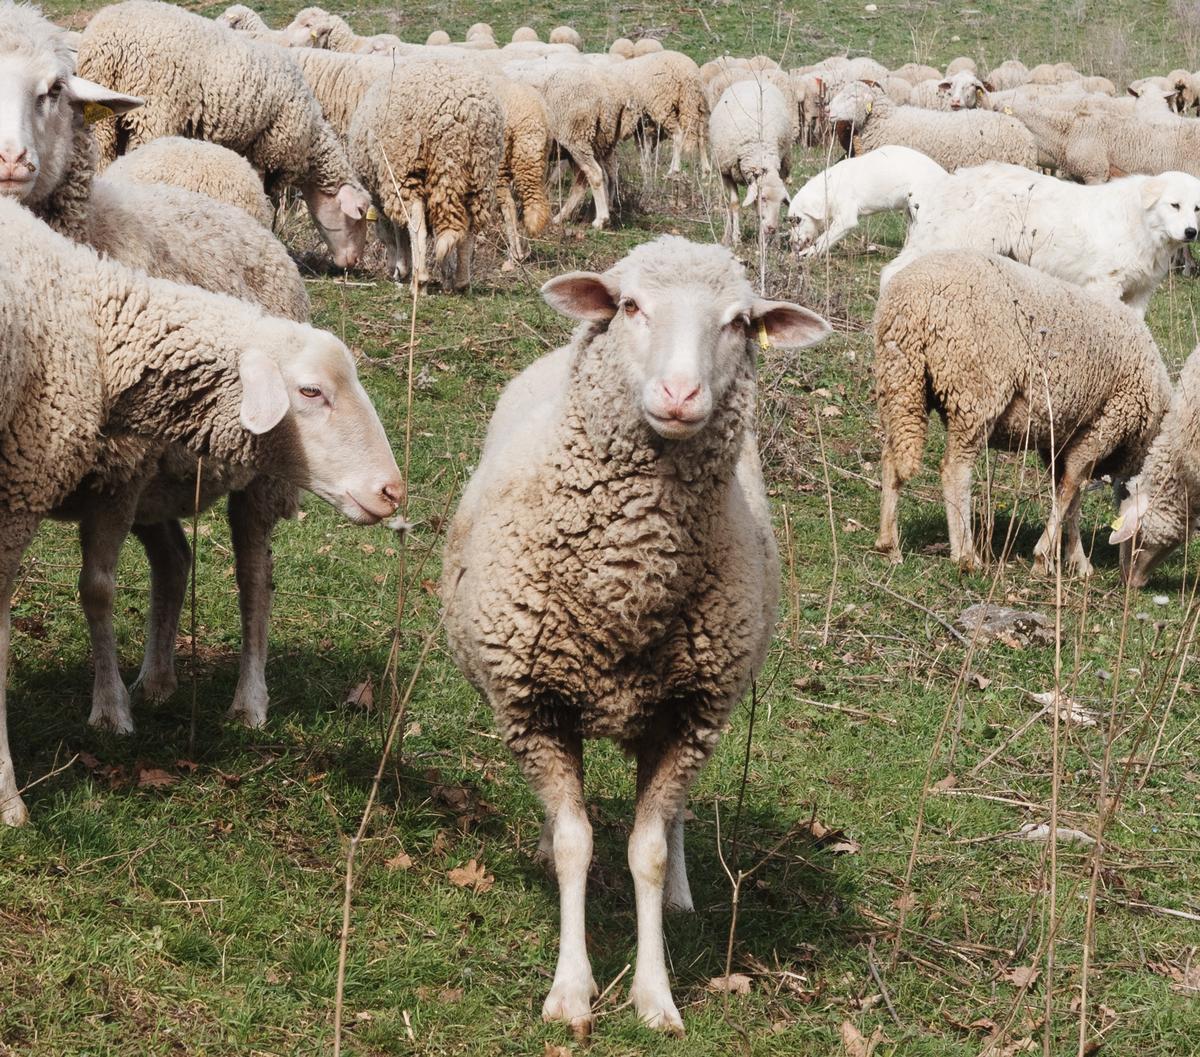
(1115, 239)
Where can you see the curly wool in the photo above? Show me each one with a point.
(1099, 144)
(526, 150)
(339, 81)
(994, 346)
(751, 131)
(665, 88)
(195, 165)
(202, 80)
(953, 140)
(627, 584)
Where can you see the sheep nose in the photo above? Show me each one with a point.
(15, 164)
(1189, 234)
(393, 492)
(680, 392)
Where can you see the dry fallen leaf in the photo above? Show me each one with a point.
(949, 782)
(1040, 831)
(450, 995)
(553, 1050)
(400, 861)
(1186, 981)
(472, 876)
(854, 1043)
(1069, 710)
(1021, 975)
(362, 696)
(834, 840)
(155, 778)
(734, 984)
(831, 411)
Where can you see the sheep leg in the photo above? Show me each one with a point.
(678, 893)
(676, 166)
(957, 467)
(732, 233)
(102, 531)
(251, 523)
(462, 260)
(595, 174)
(170, 557)
(888, 540)
(395, 242)
(15, 533)
(832, 235)
(574, 197)
(1065, 512)
(553, 764)
(512, 232)
(665, 769)
(418, 235)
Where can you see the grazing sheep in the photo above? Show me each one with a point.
(1015, 359)
(428, 142)
(865, 118)
(899, 91)
(622, 47)
(196, 165)
(827, 208)
(665, 90)
(1099, 86)
(1115, 240)
(1161, 509)
(751, 136)
(1012, 73)
(204, 81)
(611, 570)
(914, 73)
(566, 35)
(47, 154)
(438, 38)
(525, 35)
(101, 362)
(314, 27)
(339, 81)
(522, 171)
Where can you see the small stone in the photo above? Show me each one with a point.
(1161, 600)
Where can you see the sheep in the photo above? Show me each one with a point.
(646, 46)
(864, 68)
(525, 35)
(47, 153)
(428, 142)
(899, 91)
(665, 89)
(1011, 358)
(339, 81)
(1058, 73)
(566, 35)
(611, 569)
(865, 118)
(522, 169)
(915, 73)
(103, 364)
(1115, 240)
(1160, 510)
(438, 38)
(960, 64)
(962, 91)
(317, 28)
(622, 48)
(827, 208)
(1012, 73)
(751, 136)
(1098, 86)
(204, 81)
(480, 31)
(243, 19)
(196, 165)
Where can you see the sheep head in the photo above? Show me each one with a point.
(687, 322)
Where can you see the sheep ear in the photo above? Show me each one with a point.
(581, 295)
(97, 102)
(988, 86)
(872, 84)
(353, 201)
(943, 86)
(1131, 92)
(1151, 192)
(264, 392)
(1132, 511)
(751, 194)
(787, 325)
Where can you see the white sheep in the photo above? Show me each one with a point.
(103, 364)
(611, 569)
(963, 91)
(196, 165)
(751, 134)
(1011, 358)
(1012, 73)
(865, 118)
(314, 27)
(1116, 239)
(204, 81)
(665, 90)
(828, 207)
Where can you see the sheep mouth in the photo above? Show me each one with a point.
(16, 187)
(671, 427)
(844, 131)
(357, 511)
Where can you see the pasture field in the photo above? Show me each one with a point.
(180, 896)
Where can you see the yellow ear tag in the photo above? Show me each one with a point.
(1008, 110)
(870, 105)
(372, 216)
(312, 34)
(1118, 521)
(93, 112)
(764, 342)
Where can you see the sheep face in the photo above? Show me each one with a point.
(1147, 532)
(685, 333)
(965, 90)
(1172, 204)
(41, 105)
(850, 110)
(803, 230)
(310, 29)
(341, 218)
(301, 393)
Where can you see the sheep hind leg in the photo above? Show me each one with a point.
(512, 230)
(170, 557)
(598, 181)
(888, 540)
(1064, 514)
(251, 522)
(677, 895)
(579, 188)
(102, 531)
(957, 468)
(418, 237)
(16, 530)
(553, 764)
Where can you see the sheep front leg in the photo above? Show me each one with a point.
(251, 522)
(839, 227)
(16, 530)
(1065, 512)
(595, 174)
(733, 203)
(676, 166)
(102, 531)
(170, 555)
(888, 540)
(512, 231)
(553, 764)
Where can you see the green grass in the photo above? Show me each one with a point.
(203, 918)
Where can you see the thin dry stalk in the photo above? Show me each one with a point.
(833, 579)
(195, 546)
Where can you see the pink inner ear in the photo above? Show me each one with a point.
(581, 295)
(788, 325)
(350, 201)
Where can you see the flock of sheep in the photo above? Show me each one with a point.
(611, 571)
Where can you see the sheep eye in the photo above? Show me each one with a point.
(1174, 205)
(310, 391)
(53, 92)
(630, 306)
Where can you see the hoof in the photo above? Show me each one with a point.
(570, 1002)
(156, 687)
(657, 1009)
(13, 812)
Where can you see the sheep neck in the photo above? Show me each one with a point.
(65, 208)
